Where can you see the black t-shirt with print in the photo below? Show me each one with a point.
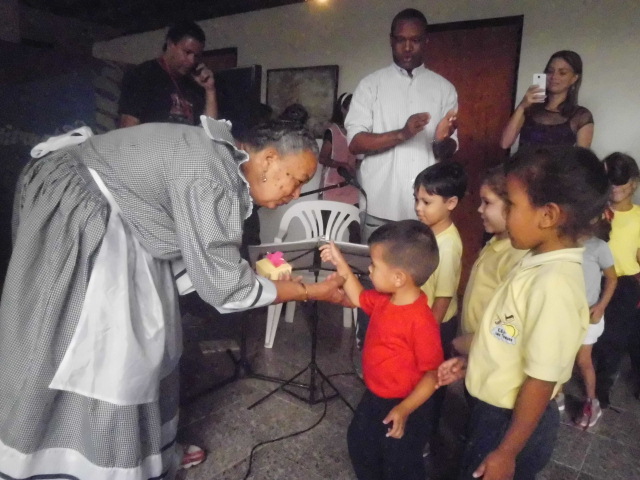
(149, 94)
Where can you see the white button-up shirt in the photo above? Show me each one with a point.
(382, 102)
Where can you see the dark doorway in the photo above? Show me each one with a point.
(481, 59)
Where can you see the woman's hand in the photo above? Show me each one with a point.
(288, 277)
(511, 131)
(534, 94)
(345, 302)
(329, 290)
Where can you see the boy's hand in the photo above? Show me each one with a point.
(397, 417)
(451, 370)
(332, 254)
(596, 313)
(498, 465)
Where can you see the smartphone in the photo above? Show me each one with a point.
(540, 79)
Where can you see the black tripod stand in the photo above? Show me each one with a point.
(315, 373)
(237, 353)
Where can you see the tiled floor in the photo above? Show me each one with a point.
(221, 422)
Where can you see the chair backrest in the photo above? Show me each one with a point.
(340, 215)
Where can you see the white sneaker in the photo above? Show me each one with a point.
(591, 413)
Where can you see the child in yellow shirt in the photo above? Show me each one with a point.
(622, 331)
(437, 191)
(498, 256)
(526, 343)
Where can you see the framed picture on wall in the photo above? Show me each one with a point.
(315, 88)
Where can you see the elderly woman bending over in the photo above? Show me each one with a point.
(89, 327)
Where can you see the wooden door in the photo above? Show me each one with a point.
(481, 59)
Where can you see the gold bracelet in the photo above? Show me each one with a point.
(306, 292)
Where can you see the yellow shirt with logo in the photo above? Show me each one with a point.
(444, 281)
(624, 240)
(496, 260)
(533, 326)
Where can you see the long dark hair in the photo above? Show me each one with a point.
(575, 62)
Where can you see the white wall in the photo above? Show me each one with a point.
(354, 35)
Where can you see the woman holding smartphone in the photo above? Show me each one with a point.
(552, 117)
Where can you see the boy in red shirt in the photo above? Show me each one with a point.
(401, 354)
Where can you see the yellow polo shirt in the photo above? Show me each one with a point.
(444, 281)
(624, 240)
(496, 260)
(533, 326)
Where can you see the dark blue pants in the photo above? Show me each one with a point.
(487, 427)
(375, 456)
(621, 334)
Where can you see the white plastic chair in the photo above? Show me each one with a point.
(309, 213)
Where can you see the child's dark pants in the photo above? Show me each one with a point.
(487, 427)
(375, 456)
(621, 334)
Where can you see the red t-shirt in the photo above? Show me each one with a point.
(402, 343)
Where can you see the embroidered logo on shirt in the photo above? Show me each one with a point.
(504, 331)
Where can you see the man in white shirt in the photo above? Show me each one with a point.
(401, 119)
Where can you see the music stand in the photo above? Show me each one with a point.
(305, 255)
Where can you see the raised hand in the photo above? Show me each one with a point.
(447, 125)
(204, 77)
(534, 94)
(331, 253)
(415, 123)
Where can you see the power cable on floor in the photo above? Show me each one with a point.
(290, 435)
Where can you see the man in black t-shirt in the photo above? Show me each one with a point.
(175, 87)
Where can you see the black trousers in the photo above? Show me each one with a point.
(487, 427)
(375, 456)
(621, 335)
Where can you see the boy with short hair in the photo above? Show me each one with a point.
(401, 352)
(437, 191)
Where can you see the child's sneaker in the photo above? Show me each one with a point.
(591, 413)
(560, 401)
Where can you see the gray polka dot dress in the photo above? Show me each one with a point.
(181, 194)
